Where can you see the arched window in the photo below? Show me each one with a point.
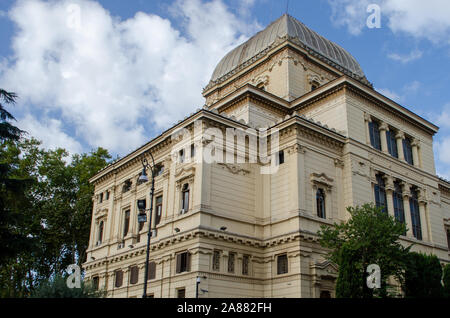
(380, 193)
(185, 198)
(320, 202)
(100, 233)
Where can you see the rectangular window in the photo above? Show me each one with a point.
(100, 198)
(95, 282)
(107, 195)
(185, 198)
(126, 186)
(118, 278)
(181, 155)
(282, 264)
(183, 262)
(407, 150)
(380, 193)
(192, 151)
(126, 223)
(415, 215)
(245, 263)
(216, 261)
(134, 274)
(151, 270)
(231, 260)
(181, 293)
(320, 203)
(392, 143)
(281, 157)
(158, 209)
(374, 130)
(158, 170)
(448, 239)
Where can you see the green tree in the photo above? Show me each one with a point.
(370, 236)
(12, 188)
(423, 276)
(446, 280)
(55, 214)
(57, 288)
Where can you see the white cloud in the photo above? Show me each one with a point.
(412, 56)
(51, 133)
(416, 18)
(412, 87)
(115, 81)
(390, 94)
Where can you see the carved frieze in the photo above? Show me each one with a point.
(234, 168)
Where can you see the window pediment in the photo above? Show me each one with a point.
(321, 179)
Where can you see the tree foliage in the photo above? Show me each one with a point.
(446, 281)
(55, 214)
(45, 207)
(423, 276)
(370, 236)
(57, 288)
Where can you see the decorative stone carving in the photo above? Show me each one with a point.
(339, 163)
(315, 78)
(234, 168)
(360, 168)
(264, 79)
(322, 179)
(297, 148)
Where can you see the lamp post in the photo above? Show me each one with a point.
(143, 178)
(196, 287)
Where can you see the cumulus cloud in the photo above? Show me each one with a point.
(51, 132)
(115, 83)
(412, 56)
(416, 18)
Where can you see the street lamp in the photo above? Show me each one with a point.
(142, 217)
(198, 281)
(196, 287)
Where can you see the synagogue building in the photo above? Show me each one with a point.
(291, 133)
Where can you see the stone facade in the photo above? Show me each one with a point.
(249, 234)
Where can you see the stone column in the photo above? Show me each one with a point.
(415, 152)
(383, 129)
(295, 160)
(399, 137)
(423, 215)
(406, 208)
(367, 120)
(107, 236)
(389, 186)
(92, 234)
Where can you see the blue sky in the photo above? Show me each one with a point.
(115, 73)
